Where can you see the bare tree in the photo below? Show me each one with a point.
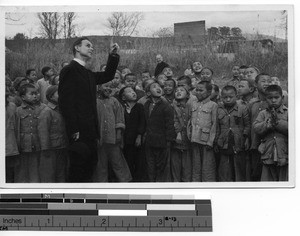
(50, 24)
(123, 23)
(164, 32)
(69, 27)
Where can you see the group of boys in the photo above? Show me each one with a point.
(158, 129)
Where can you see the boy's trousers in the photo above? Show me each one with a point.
(111, 154)
(136, 162)
(10, 168)
(27, 167)
(158, 164)
(53, 166)
(232, 167)
(181, 165)
(203, 163)
(274, 173)
(256, 165)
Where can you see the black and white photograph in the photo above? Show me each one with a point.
(192, 96)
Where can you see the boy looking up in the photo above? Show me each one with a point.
(160, 132)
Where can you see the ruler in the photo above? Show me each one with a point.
(104, 212)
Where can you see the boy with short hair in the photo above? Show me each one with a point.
(242, 71)
(53, 140)
(251, 72)
(160, 132)
(246, 90)
(232, 140)
(169, 89)
(196, 68)
(206, 75)
(234, 81)
(44, 83)
(134, 130)
(181, 161)
(167, 71)
(202, 132)
(111, 125)
(256, 105)
(145, 83)
(130, 79)
(27, 122)
(271, 125)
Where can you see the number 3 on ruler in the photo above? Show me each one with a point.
(160, 221)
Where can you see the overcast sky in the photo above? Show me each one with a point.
(93, 23)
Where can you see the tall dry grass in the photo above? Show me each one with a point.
(37, 54)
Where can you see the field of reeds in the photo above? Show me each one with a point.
(141, 56)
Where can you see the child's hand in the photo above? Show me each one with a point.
(118, 137)
(269, 124)
(282, 162)
(247, 144)
(138, 141)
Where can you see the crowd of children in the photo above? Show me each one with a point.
(155, 128)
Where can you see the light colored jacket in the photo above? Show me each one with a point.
(202, 123)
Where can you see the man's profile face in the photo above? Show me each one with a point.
(85, 49)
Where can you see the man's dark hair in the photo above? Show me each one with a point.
(243, 67)
(212, 72)
(29, 71)
(23, 89)
(228, 88)
(129, 74)
(260, 75)
(78, 42)
(45, 70)
(186, 78)
(274, 88)
(207, 85)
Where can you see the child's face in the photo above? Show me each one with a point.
(55, 97)
(250, 73)
(105, 90)
(32, 75)
(169, 87)
(168, 72)
(145, 76)
(242, 73)
(116, 81)
(244, 88)
(263, 83)
(201, 92)
(180, 93)
(129, 95)
(274, 80)
(125, 71)
(159, 59)
(49, 73)
(130, 81)
(197, 67)
(155, 90)
(274, 99)
(235, 71)
(206, 75)
(229, 97)
(214, 94)
(31, 96)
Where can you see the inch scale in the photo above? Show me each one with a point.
(104, 212)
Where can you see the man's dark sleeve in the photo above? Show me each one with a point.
(169, 121)
(67, 99)
(110, 70)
